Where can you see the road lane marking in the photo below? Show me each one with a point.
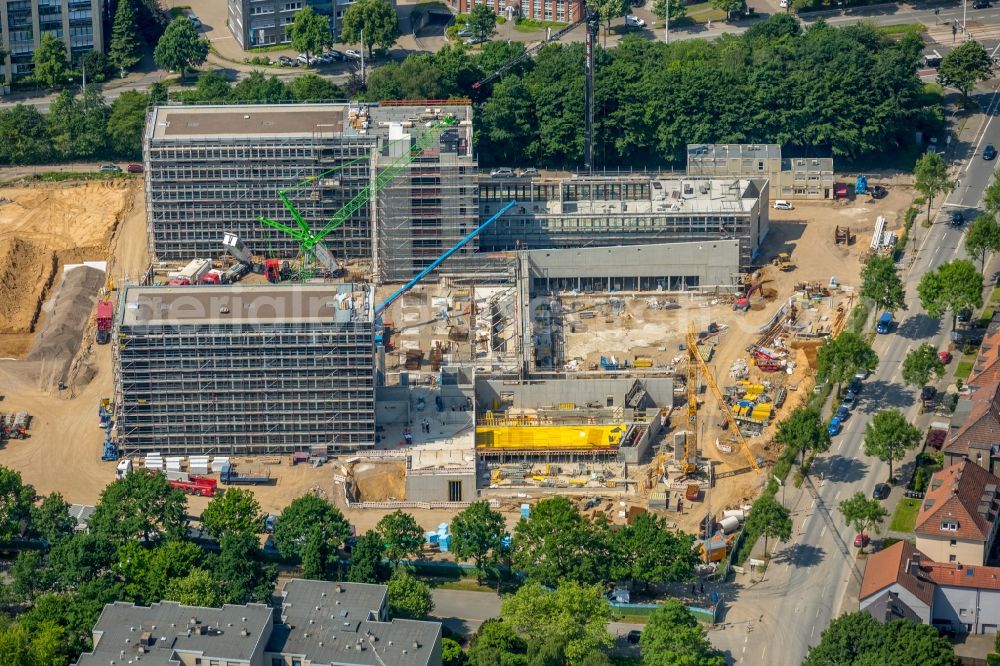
(822, 532)
(812, 631)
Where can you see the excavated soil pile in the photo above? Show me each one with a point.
(378, 482)
(26, 269)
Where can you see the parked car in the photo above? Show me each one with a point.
(325, 58)
(111, 168)
(989, 152)
(842, 413)
(634, 21)
(502, 172)
(957, 219)
(945, 356)
(285, 61)
(351, 53)
(850, 401)
(855, 385)
(964, 315)
(881, 491)
(781, 204)
(879, 192)
(928, 393)
(634, 636)
(836, 425)
(336, 55)
(530, 172)
(134, 168)
(475, 39)
(981, 4)
(861, 540)
(464, 32)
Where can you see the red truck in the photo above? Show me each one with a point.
(197, 485)
(105, 313)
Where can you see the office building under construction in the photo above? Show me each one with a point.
(217, 169)
(245, 370)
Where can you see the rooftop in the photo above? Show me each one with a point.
(986, 369)
(159, 631)
(976, 421)
(207, 121)
(733, 150)
(961, 503)
(892, 565)
(241, 304)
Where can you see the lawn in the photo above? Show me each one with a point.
(703, 12)
(906, 515)
(531, 25)
(995, 295)
(963, 370)
(903, 29)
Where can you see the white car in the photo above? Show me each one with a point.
(781, 204)
(633, 20)
(783, 4)
(351, 53)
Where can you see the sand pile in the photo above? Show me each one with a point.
(378, 482)
(26, 270)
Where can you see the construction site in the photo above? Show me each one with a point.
(309, 335)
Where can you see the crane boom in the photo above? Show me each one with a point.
(529, 53)
(695, 355)
(688, 465)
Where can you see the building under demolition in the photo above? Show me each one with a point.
(625, 210)
(217, 169)
(245, 370)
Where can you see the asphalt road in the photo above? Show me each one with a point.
(806, 581)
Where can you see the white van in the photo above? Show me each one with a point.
(633, 21)
(781, 204)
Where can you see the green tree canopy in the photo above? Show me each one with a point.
(126, 123)
(401, 535)
(298, 520)
(408, 597)
(769, 519)
(123, 53)
(965, 66)
(880, 282)
(573, 615)
(481, 22)
(236, 511)
(496, 643)
(729, 6)
(197, 588)
(858, 639)
(476, 534)
(673, 637)
(310, 32)
(140, 506)
(647, 551)
(315, 555)
(23, 135)
(608, 10)
(920, 363)
(312, 88)
(16, 503)
(51, 66)
(51, 521)
(366, 560)
(991, 197)
(678, 9)
(378, 20)
(84, 557)
(841, 357)
(954, 285)
(803, 431)
(242, 576)
(888, 436)
(983, 239)
(931, 178)
(260, 89)
(556, 543)
(180, 48)
(862, 513)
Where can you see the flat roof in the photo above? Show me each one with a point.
(208, 121)
(734, 150)
(681, 196)
(244, 304)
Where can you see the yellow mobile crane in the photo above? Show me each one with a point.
(689, 465)
(695, 359)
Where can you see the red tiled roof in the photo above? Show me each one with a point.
(986, 369)
(981, 428)
(956, 575)
(965, 495)
(892, 566)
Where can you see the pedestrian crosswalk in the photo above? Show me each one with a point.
(942, 33)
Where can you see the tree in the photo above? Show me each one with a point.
(310, 32)
(608, 10)
(259, 89)
(211, 87)
(648, 551)
(408, 597)
(16, 502)
(51, 521)
(920, 364)
(862, 513)
(234, 512)
(496, 643)
(366, 560)
(481, 22)
(888, 436)
(180, 48)
(476, 534)
(378, 20)
(75, 561)
(729, 6)
(856, 639)
(197, 588)
(23, 137)
(991, 196)
(126, 123)
(880, 282)
(243, 577)
(678, 10)
(556, 543)
(803, 431)
(964, 67)
(983, 239)
(451, 653)
(312, 88)
(841, 357)
(953, 286)
(931, 178)
(673, 637)
(297, 521)
(167, 564)
(769, 519)
(51, 66)
(506, 123)
(94, 64)
(25, 578)
(401, 535)
(574, 615)
(140, 506)
(157, 93)
(315, 556)
(123, 51)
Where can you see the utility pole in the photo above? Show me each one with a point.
(362, 55)
(593, 26)
(666, 23)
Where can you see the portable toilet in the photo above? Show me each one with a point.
(525, 511)
(444, 542)
(432, 538)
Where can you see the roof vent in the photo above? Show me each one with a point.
(339, 588)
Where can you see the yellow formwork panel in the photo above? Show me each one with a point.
(550, 437)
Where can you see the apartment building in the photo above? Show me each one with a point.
(78, 23)
(256, 23)
(560, 11)
(244, 370)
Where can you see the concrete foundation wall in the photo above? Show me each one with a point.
(577, 391)
(431, 487)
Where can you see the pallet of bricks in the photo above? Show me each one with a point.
(14, 425)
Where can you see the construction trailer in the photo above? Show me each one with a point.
(245, 370)
(105, 319)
